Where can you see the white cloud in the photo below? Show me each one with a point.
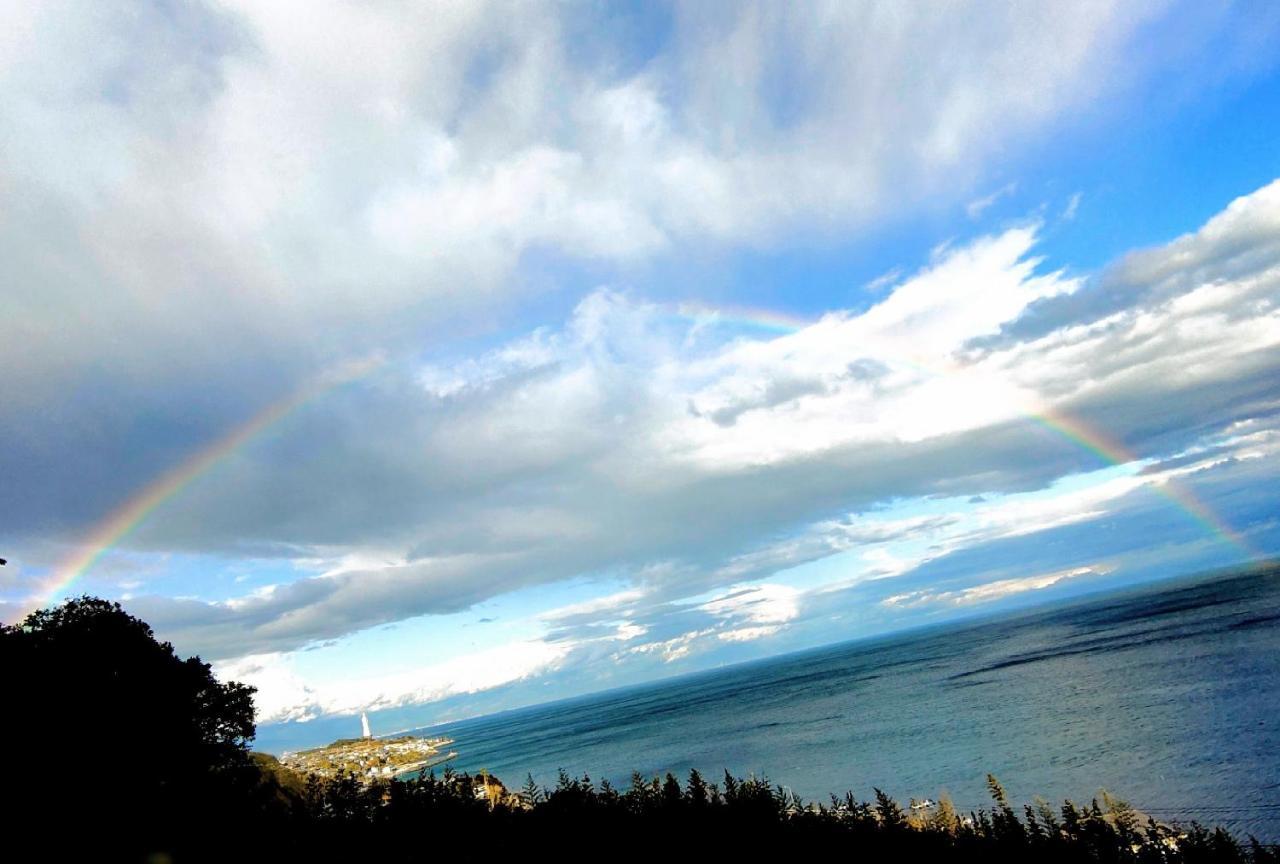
(686, 466)
(886, 374)
(747, 634)
(975, 208)
(594, 606)
(298, 180)
(284, 694)
(992, 591)
(628, 631)
(763, 603)
(1073, 206)
(212, 203)
(676, 648)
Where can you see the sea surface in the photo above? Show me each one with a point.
(1167, 697)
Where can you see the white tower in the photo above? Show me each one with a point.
(364, 725)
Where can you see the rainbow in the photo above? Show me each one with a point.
(1114, 453)
(124, 519)
(1057, 422)
(741, 316)
(128, 516)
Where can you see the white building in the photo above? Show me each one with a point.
(364, 726)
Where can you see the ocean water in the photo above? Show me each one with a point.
(1169, 698)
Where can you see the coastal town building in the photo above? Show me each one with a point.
(370, 758)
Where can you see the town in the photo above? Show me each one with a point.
(370, 758)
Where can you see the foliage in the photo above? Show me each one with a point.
(743, 815)
(141, 755)
(108, 724)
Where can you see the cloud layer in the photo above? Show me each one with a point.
(632, 443)
(208, 206)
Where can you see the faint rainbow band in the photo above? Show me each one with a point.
(133, 512)
(1058, 422)
(125, 518)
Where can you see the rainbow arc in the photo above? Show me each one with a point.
(1058, 422)
(128, 516)
(133, 512)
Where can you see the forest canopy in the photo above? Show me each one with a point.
(148, 754)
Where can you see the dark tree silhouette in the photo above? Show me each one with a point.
(119, 749)
(111, 724)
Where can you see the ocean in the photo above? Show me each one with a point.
(1166, 697)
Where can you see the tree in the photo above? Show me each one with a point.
(889, 813)
(531, 794)
(944, 818)
(696, 789)
(154, 741)
(1003, 820)
(672, 794)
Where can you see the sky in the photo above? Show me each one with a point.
(438, 359)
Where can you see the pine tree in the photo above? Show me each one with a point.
(1123, 818)
(608, 795)
(730, 788)
(1035, 833)
(1048, 819)
(888, 812)
(944, 817)
(696, 790)
(531, 794)
(1004, 821)
(672, 794)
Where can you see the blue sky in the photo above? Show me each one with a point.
(699, 333)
